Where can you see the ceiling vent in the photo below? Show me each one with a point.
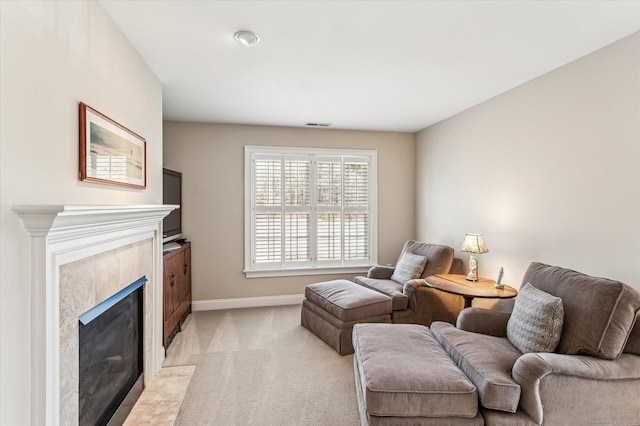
(318, 124)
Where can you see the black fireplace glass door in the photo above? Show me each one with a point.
(111, 359)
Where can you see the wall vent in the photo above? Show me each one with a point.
(318, 124)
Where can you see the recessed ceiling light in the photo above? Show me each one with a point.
(248, 38)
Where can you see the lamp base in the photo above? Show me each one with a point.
(473, 269)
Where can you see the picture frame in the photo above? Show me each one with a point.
(109, 152)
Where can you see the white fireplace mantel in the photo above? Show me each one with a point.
(62, 234)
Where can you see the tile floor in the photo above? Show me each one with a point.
(160, 402)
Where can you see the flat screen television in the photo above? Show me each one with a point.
(172, 194)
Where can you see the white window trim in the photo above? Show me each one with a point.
(294, 272)
(348, 267)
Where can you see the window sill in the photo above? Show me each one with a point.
(292, 272)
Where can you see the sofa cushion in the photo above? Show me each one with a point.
(387, 287)
(404, 372)
(536, 321)
(598, 313)
(348, 301)
(486, 360)
(409, 267)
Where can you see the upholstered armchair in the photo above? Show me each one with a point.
(413, 301)
(593, 375)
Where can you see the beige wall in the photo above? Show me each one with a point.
(549, 171)
(211, 158)
(52, 56)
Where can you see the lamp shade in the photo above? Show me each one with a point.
(474, 243)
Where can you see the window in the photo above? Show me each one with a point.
(309, 211)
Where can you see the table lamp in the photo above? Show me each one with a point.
(473, 243)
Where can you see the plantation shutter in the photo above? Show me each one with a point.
(356, 210)
(329, 193)
(268, 212)
(309, 210)
(297, 206)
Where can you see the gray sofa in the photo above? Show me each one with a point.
(413, 302)
(593, 377)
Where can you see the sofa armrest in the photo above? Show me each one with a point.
(430, 304)
(553, 383)
(380, 272)
(410, 289)
(483, 321)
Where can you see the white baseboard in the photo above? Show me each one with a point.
(246, 302)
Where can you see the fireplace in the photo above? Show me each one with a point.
(80, 256)
(111, 356)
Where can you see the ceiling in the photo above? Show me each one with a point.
(366, 65)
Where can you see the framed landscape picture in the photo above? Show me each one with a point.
(109, 152)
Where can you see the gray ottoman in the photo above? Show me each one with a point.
(403, 376)
(331, 309)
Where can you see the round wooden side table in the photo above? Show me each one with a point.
(469, 290)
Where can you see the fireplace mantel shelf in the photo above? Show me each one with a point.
(42, 219)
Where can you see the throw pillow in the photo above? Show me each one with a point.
(536, 321)
(409, 266)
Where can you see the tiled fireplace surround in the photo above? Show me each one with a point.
(81, 255)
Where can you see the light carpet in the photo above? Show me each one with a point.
(258, 366)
